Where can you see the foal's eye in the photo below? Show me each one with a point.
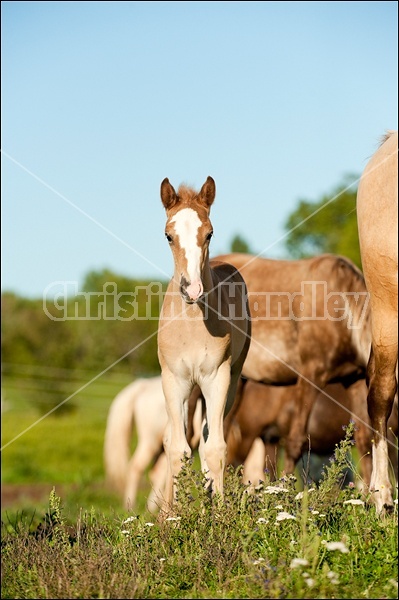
(168, 237)
(208, 237)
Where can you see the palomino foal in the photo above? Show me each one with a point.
(203, 335)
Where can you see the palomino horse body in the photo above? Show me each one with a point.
(265, 413)
(203, 335)
(310, 326)
(141, 403)
(377, 215)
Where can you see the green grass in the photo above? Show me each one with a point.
(269, 544)
(63, 449)
(76, 543)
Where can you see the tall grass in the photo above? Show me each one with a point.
(267, 542)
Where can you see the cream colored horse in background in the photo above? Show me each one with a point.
(377, 215)
(140, 404)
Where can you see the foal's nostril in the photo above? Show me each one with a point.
(184, 283)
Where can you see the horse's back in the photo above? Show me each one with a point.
(225, 271)
(287, 276)
(377, 214)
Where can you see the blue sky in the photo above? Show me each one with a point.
(277, 101)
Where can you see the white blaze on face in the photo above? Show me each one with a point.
(187, 224)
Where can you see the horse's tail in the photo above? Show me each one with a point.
(118, 434)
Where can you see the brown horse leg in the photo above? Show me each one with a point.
(393, 438)
(254, 463)
(231, 411)
(304, 398)
(363, 433)
(381, 373)
(271, 453)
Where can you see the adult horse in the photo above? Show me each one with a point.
(141, 403)
(203, 335)
(265, 413)
(310, 326)
(377, 215)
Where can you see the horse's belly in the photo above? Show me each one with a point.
(272, 365)
(273, 353)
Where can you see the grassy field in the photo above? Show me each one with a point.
(63, 449)
(78, 542)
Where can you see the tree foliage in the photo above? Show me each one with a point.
(238, 244)
(111, 323)
(325, 225)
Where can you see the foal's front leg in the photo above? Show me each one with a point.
(176, 393)
(213, 446)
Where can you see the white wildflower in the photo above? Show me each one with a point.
(315, 512)
(299, 495)
(335, 546)
(309, 582)
(173, 519)
(125, 532)
(150, 524)
(162, 559)
(298, 562)
(354, 501)
(282, 516)
(262, 520)
(129, 520)
(333, 577)
(279, 507)
(274, 489)
(331, 574)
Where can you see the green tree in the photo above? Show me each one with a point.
(238, 244)
(326, 225)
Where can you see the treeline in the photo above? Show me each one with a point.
(113, 319)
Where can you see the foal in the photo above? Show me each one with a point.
(203, 334)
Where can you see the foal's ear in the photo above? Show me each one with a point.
(168, 194)
(208, 191)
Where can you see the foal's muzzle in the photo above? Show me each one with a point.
(191, 292)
